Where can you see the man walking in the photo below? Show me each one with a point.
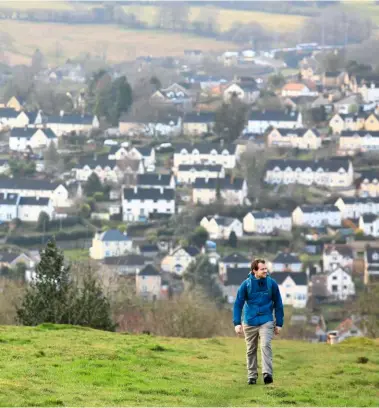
(259, 295)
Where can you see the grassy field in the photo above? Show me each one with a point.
(67, 366)
(118, 44)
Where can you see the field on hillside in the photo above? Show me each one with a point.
(70, 366)
(117, 43)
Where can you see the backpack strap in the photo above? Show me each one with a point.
(269, 287)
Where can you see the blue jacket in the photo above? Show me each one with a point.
(258, 305)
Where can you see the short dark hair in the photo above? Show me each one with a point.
(254, 264)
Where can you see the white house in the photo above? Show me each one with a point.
(354, 207)
(298, 89)
(324, 172)
(306, 139)
(286, 262)
(232, 191)
(4, 166)
(188, 173)
(234, 260)
(351, 142)
(8, 206)
(293, 288)
(266, 222)
(340, 284)
(139, 202)
(371, 265)
(317, 216)
(10, 118)
(205, 153)
(337, 255)
(154, 180)
(63, 124)
(220, 227)
(370, 91)
(246, 92)
(198, 123)
(260, 121)
(369, 224)
(110, 243)
(57, 192)
(178, 260)
(21, 139)
(144, 153)
(107, 170)
(149, 283)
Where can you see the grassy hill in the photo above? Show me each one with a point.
(69, 366)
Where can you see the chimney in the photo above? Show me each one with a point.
(135, 189)
(222, 142)
(61, 113)
(161, 189)
(37, 198)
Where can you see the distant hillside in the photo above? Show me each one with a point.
(70, 366)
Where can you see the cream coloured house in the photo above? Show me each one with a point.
(110, 243)
(351, 142)
(369, 224)
(351, 121)
(205, 153)
(64, 124)
(234, 260)
(316, 216)
(298, 89)
(266, 222)
(260, 121)
(334, 172)
(232, 191)
(21, 139)
(369, 183)
(188, 173)
(149, 283)
(179, 259)
(107, 170)
(293, 288)
(220, 227)
(340, 284)
(198, 123)
(246, 92)
(354, 207)
(307, 139)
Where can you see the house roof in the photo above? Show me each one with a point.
(370, 175)
(235, 276)
(149, 248)
(200, 167)
(38, 201)
(8, 257)
(372, 255)
(144, 193)
(369, 218)
(29, 132)
(8, 199)
(360, 200)
(271, 214)
(205, 148)
(274, 115)
(153, 179)
(127, 260)
(145, 151)
(327, 165)
(319, 285)
(191, 250)
(294, 86)
(342, 249)
(149, 270)
(93, 162)
(27, 184)
(235, 258)
(300, 278)
(199, 117)
(360, 133)
(319, 208)
(71, 119)
(333, 74)
(297, 132)
(227, 183)
(286, 258)
(8, 113)
(113, 235)
(224, 221)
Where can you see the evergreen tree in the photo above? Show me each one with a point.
(43, 221)
(51, 157)
(199, 237)
(232, 240)
(93, 185)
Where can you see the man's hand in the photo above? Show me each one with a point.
(277, 330)
(238, 329)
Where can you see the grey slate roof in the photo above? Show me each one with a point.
(369, 218)
(286, 258)
(235, 276)
(221, 220)
(200, 117)
(360, 133)
(152, 179)
(34, 201)
(370, 175)
(235, 258)
(149, 270)
(29, 132)
(8, 113)
(143, 193)
(205, 148)
(297, 132)
(92, 163)
(144, 150)
(127, 260)
(300, 278)
(8, 257)
(113, 235)
(327, 165)
(271, 214)
(319, 208)
(274, 115)
(373, 255)
(71, 119)
(226, 183)
(191, 250)
(360, 200)
(201, 167)
(27, 184)
(10, 199)
(342, 249)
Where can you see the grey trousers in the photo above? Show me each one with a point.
(266, 333)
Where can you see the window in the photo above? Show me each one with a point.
(334, 277)
(345, 287)
(288, 295)
(334, 288)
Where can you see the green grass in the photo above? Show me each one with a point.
(77, 254)
(69, 366)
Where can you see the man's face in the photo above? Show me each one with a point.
(262, 271)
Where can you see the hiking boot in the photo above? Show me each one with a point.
(252, 381)
(267, 378)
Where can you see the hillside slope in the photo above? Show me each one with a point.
(69, 366)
